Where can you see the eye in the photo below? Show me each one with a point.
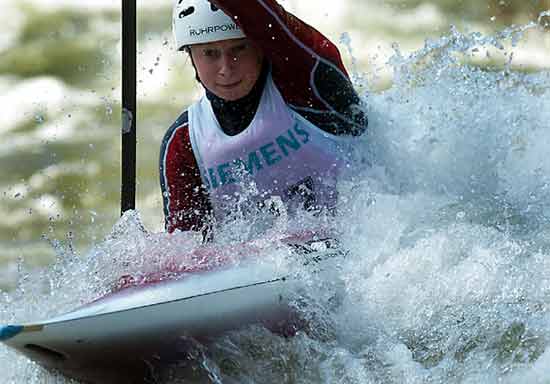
(240, 48)
(211, 53)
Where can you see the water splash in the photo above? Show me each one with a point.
(542, 19)
(39, 118)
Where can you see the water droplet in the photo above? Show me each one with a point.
(39, 118)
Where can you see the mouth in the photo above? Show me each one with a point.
(229, 86)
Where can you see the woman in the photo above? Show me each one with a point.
(275, 122)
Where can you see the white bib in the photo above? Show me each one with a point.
(279, 154)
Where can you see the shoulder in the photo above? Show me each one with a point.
(177, 136)
(176, 145)
(176, 129)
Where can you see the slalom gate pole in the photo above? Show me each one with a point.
(128, 164)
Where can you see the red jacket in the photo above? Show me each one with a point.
(308, 71)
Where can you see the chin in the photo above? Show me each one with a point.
(232, 96)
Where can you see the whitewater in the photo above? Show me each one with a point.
(447, 224)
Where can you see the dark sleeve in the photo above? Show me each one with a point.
(306, 66)
(185, 198)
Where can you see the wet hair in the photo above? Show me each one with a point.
(187, 49)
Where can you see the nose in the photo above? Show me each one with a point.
(227, 64)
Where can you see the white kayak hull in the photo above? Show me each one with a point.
(122, 336)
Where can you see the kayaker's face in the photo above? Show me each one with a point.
(230, 68)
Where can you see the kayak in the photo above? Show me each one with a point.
(148, 320)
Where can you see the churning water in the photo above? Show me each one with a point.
(447, 220)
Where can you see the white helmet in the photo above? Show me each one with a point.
(199, 21)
